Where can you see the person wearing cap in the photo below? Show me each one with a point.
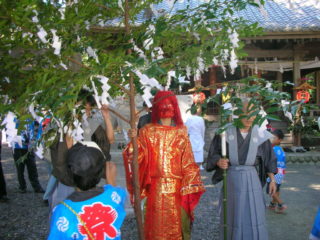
(98, 128)
(170, 180)
(90, 212)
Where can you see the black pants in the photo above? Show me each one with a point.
(31, 167)
(3, 190)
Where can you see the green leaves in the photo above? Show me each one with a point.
(52, 82)
(257, 99)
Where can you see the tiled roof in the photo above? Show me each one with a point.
(279, 15)
(286, 15)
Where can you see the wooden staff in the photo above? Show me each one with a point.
(224, 155)
(133, 118)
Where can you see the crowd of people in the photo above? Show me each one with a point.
(170, 158)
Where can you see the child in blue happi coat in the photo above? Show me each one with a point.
(90, 212)
(315, 232)
(276, 202)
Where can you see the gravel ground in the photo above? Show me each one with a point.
(25, 216)
(206, 221)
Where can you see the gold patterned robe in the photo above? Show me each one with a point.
(169, 179)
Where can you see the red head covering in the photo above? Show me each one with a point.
(159, 100)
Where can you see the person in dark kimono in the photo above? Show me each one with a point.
(145, 119)
(250, 161)
(3, 189)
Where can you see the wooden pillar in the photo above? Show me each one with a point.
(280, 80)
(212, 79)
(242, 69)
(317, 78)
(296, 81)
(259, 74)
(296, 70)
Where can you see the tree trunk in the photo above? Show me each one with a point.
(133, 120)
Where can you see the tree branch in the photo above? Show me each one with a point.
(77, 62)
(111, 81)
(119, 115)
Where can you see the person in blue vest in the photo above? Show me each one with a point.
(315, 231)
(90, 212)
(23, 156)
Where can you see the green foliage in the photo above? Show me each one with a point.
(32, 73)
(307, 126)
(257, 98)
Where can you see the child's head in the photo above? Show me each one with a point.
(278, 137)
(86, 163)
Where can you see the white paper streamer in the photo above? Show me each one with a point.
(201, 64)
(120, 5)
(87, 24)
(42, 34)
(196, 35)
(92, 53)
(234, 38)
(215, 61)
(39, 151)
(35, 18)
(105, 89)
(145, 80)
(63, 65)
(62, 12)
(56, 42)
(182, 79)
(33, 113)
(147, 96)
(149, 32)
(157, 53)
(170, 75)
(10, 128)
(302, 122)
(197, 75)
(188, 71)
(27, 35)
(233, 61)
(147, 43)
(227, 106)
(140, 52)
(96, 95)
(77, 132)
(288, 115)
(281, 68)
(60, 125)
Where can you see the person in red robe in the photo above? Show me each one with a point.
(168, 175)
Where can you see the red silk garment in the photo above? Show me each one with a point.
(167, 173)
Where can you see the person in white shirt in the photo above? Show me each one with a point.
(196, 130)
